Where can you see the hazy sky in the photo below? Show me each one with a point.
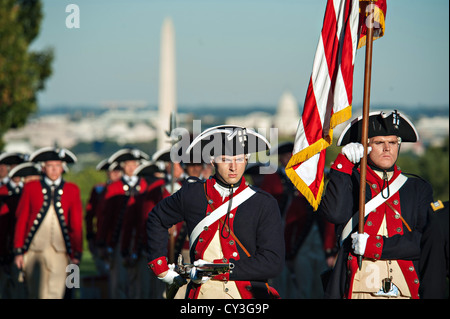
(234, 52)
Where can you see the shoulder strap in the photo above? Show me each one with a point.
(219, 212)
(373, 204)
(210, 203)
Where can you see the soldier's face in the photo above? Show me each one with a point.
(53, 169)
(115, 175)
(230, 168)
(384, 151)
(129, 167)
(177, 169)
(194, 169)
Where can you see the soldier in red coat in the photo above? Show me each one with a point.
(48, 233)
(174, 177)
(151, 288)
(396, 213)
(115, 234)
(93, 216)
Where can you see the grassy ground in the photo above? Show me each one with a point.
(87, 264)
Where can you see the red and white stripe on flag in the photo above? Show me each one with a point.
(328, 99)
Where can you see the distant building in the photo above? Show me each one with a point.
(44, 131)
(121, 125)
(285, 119)
(287, 116)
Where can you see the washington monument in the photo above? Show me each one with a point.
(167, 83)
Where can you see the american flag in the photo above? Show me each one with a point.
(328, 99)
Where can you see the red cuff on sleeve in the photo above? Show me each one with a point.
(222, 277)
(158, 265)
(342, 164)
(374, 247)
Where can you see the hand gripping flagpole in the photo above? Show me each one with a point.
(365, 124)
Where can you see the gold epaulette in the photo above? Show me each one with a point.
(437, 205)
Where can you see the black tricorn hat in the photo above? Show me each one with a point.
(227, 140)
(380, 124)
(162, 155)
(147, 169)
(104, 165)
(11, 158)
(25, 169)
(53, 154)
(128, 154)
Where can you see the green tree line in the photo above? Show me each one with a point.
(22, 72)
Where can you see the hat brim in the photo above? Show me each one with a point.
(12, 158)
(228, 140)
(162, 155)
(380, 124)
(24, 170)
(103, 165)
(127, 154)
(147, 169)
(53, 154)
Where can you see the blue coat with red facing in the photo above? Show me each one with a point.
(256, 223)
(341, 202)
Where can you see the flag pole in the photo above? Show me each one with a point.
(365, 128)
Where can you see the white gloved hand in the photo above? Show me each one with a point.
(194, 273)
(171, 274)
(359, 242)
(200, 262)
(354, 152)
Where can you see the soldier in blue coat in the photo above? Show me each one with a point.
(396, 213)
(228, 222)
